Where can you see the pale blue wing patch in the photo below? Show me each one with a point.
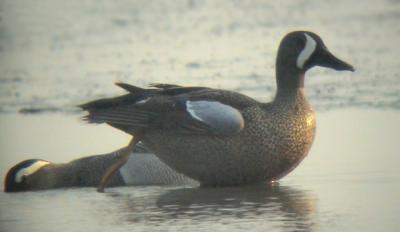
(221, 118)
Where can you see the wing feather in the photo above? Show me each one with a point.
(193, 110)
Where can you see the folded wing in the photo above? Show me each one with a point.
(193, 110)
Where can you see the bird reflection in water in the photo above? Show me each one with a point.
(269, 206)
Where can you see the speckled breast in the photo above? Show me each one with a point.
(272, 143)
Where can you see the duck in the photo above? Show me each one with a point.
(221, 137)
(142, 168)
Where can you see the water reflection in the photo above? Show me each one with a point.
(273, 206)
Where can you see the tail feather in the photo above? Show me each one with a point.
(130, 88)
(135, 93)
(108, 103)
(164, 86)
(133, 118)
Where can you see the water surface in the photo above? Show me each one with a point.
(349, 182)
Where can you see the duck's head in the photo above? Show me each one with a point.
(301, 50)
(25, 176)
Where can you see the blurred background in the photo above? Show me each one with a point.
(55, 55)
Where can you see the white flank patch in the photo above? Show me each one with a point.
(190, 109)
(306, 52)
(30, 170)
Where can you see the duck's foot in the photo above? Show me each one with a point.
(110, 172)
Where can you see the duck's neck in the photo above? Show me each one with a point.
(289, 81)
(289, 77)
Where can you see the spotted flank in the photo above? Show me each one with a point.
(307, 51)
(30, 170)
(147, 169)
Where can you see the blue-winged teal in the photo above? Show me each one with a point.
(221, 137)
(142, 168)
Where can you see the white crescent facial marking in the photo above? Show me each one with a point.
(306, 52)
(30, 170)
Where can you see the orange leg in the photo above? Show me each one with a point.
(110, 172)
